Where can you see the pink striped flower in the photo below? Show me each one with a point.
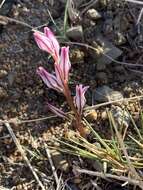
(56, 110)
(63, 67)
(49, 79)
(48, 42)
(80, 97)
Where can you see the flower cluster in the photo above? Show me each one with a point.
(47, 42)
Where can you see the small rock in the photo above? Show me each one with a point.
(104, 115)
(75, 33)
(93, 14)
(102, 77)
(91, 115)
(122, 117)
(120, 39)
(77, 56)
(3, 93)
(100, 66)
(3, 73)
(59, 160)
(88, 23)
(103, 3)
(11, 78)
(107, 51)
(105, 94)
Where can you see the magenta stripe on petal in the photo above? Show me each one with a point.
(65, 64)
(43, 42)
(80, 97)
(49, 79)
(56, 110)
(54, 42)
(48, 42)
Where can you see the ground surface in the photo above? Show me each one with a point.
(23, 95)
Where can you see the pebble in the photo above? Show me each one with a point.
(93, 14)
(3, 93)
(3, 73)
(100, 66)
(77, 56)
(105, 94)
(121, 116)
(106, 49)
(104, 115)
(91, 115)
(120, 39)
(75, 33)
(11, 78)
(102, 77)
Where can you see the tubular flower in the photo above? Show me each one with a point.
(49, 79)
(65, 64)
(56, 110)
(48, 42)
(80, 97)
(63, 67)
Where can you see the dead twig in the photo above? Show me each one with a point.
(7, 19)
(140, 16)
(135, 1)
(52, 164)
(109, 57)
(107, 175)
(122, 145)
(20, 149)
(112, 102)
(3, 1)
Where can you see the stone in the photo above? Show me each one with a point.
(100, 66)
(75, 33)
(3, 73)
(102, 77)
(93, 14)
(107, 53)
(11, 78)
(77, 56)
(3, 93)
(105, 94)
(104, 115)
(120, 39)
(91, 115)
(122, 117)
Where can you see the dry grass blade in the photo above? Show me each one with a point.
(4, 188)
(20, 149)
(51, 2)
(112, 102)
(93, 2)
(135, 1)
(106, 175)
(3, 1)
(52, 165)
(121, 142)
(7, 19)
(139, 17)
(72, 12)
(107, 56)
